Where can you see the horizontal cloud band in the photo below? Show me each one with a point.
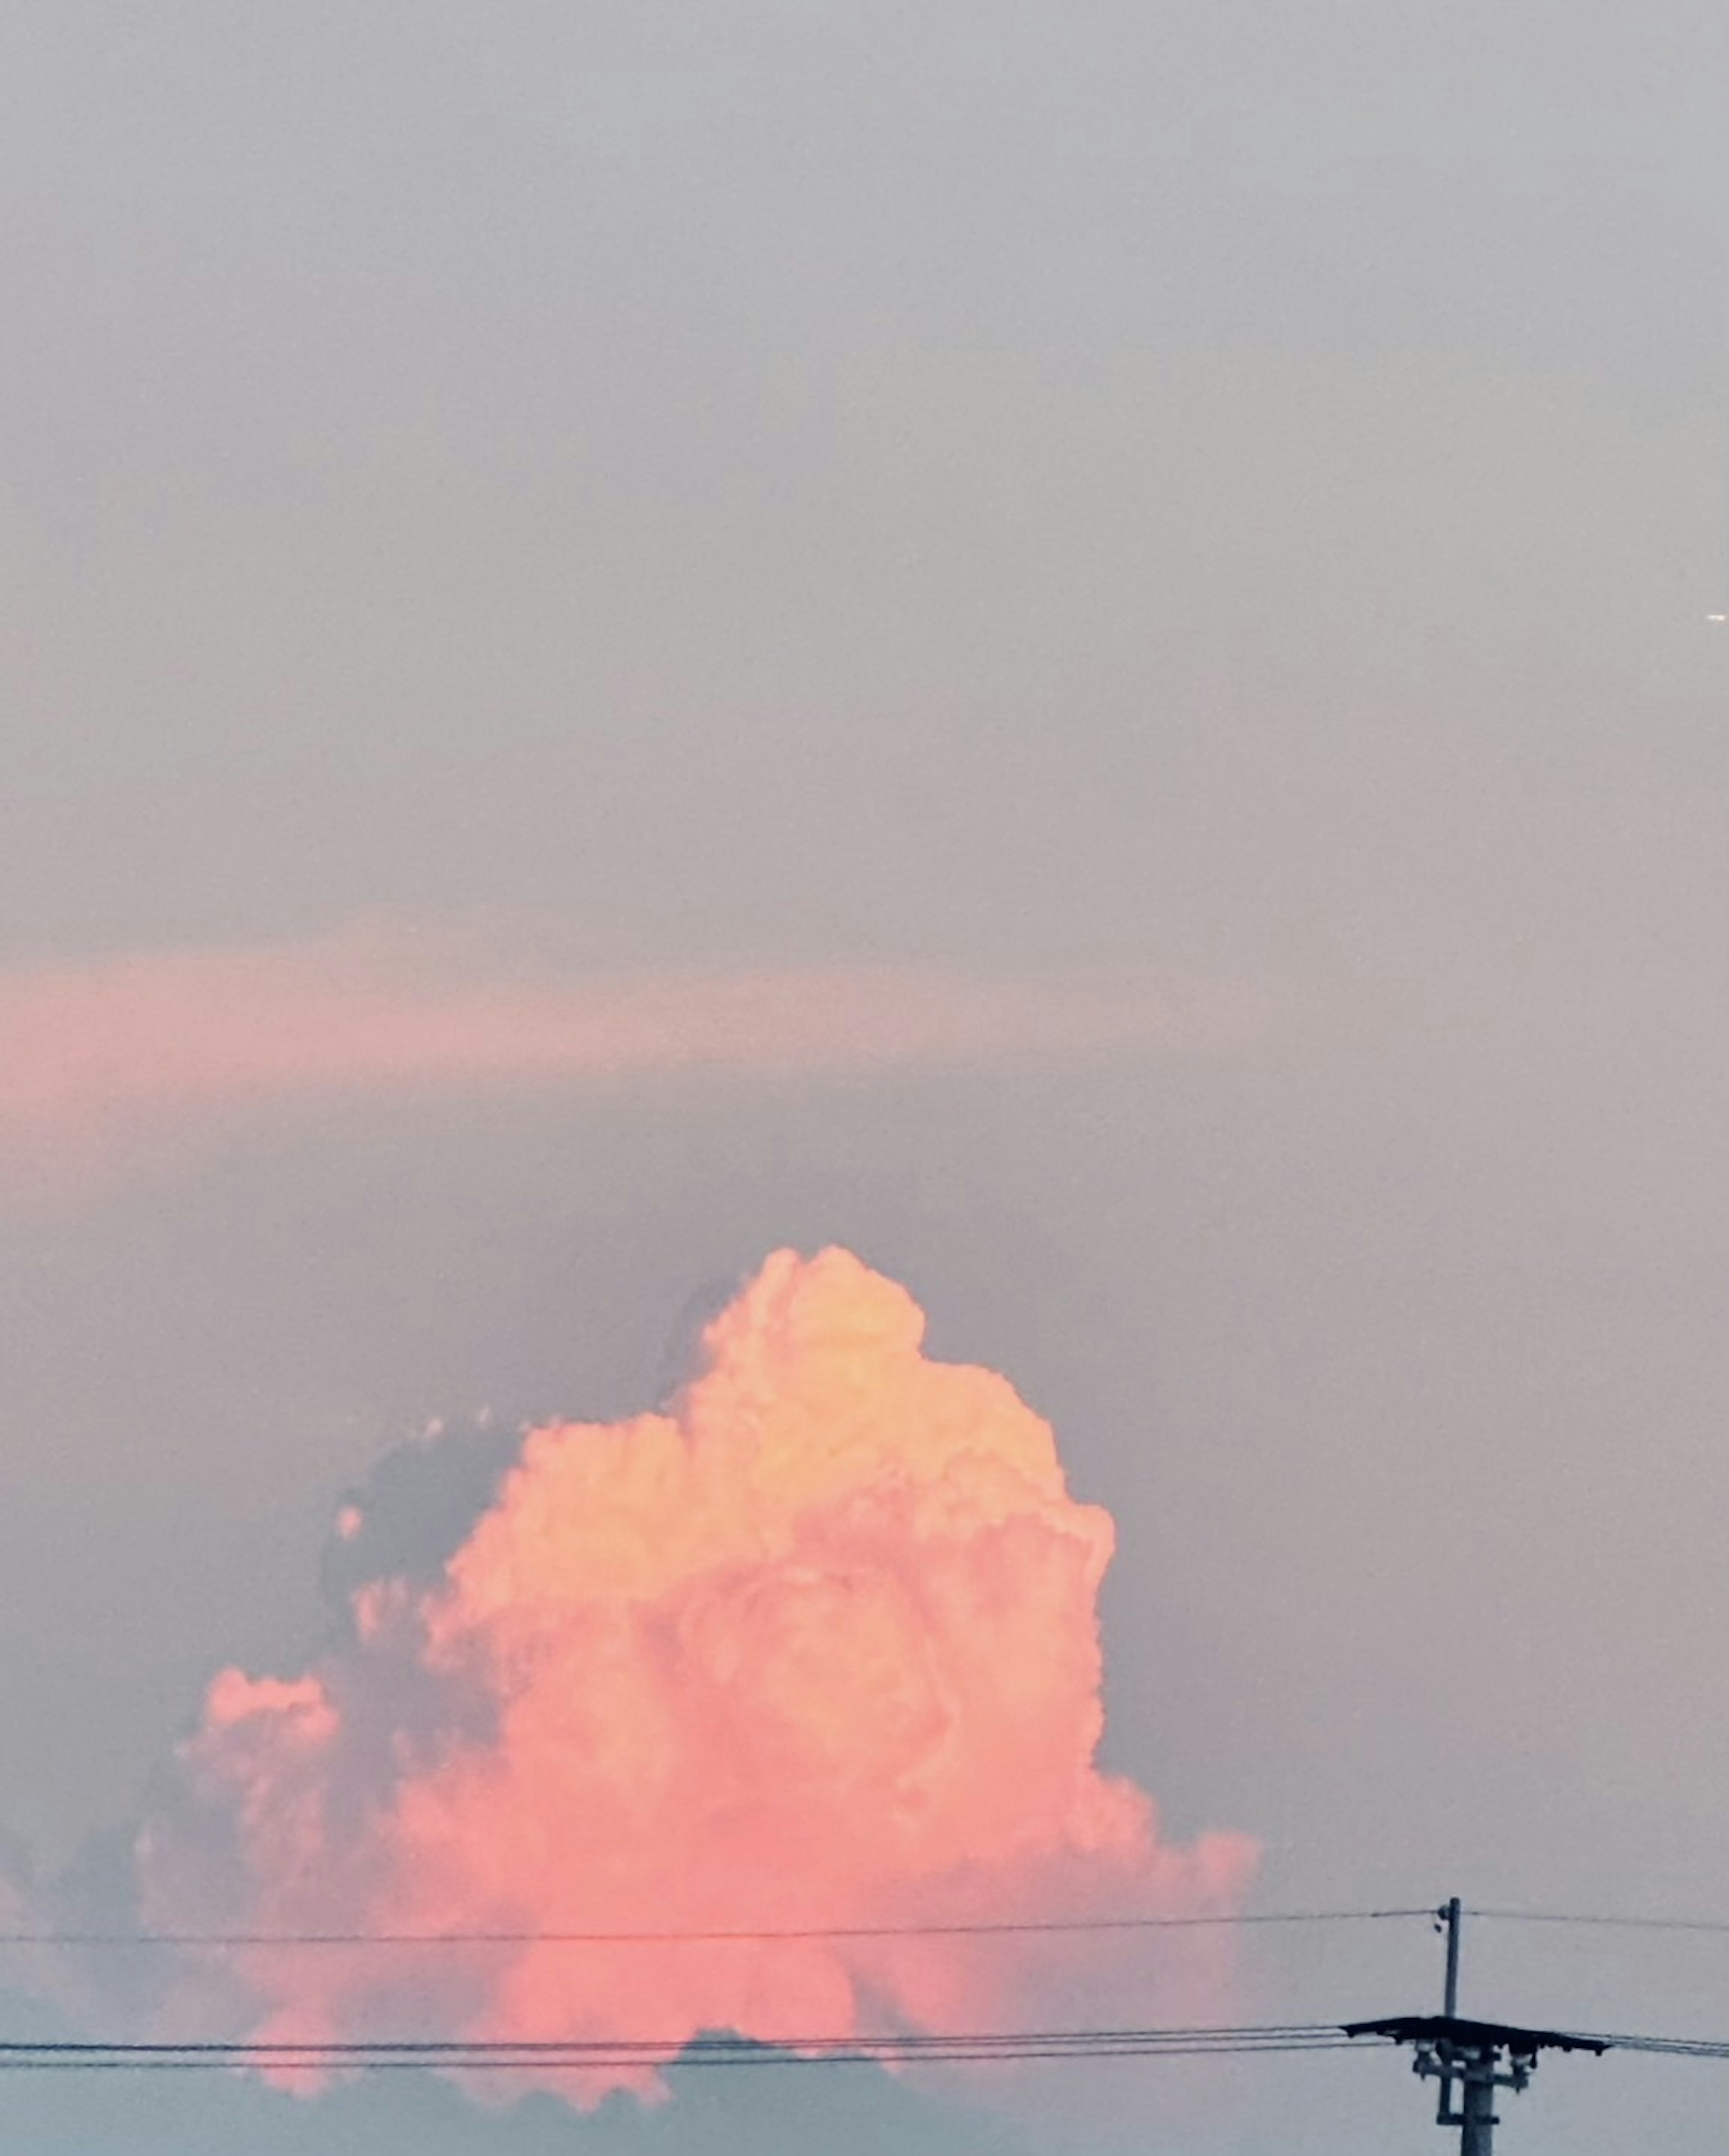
(395, 1009)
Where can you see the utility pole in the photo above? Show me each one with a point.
(1450, 1917)
(1482, 2056)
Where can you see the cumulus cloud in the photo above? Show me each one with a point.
(813, 1651)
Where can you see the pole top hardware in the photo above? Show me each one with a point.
(1460, 2036)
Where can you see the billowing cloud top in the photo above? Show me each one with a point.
(815, 1650)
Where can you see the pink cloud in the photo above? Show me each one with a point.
(92, 1054)
(816, 1649)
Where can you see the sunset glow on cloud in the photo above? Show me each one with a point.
(97, 1057)
(815, 1648)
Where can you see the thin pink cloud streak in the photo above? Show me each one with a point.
(89, 1050)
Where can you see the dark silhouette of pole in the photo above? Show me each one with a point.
(1478, 2122)
(1452, 1917)
(1475, 2117)
(1481, 2056)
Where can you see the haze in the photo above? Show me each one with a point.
(1100, 613)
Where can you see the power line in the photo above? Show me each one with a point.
(1480, 2057)
(1603, 1922)
(1078, 1927)
(1075, 1925)
(765, 2058)
(626, 2054)
(901, 2042)
(1675, 2047)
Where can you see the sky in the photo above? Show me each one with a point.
(1064, 646)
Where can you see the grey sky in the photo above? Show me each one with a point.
(1229, 487)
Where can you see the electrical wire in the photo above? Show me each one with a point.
(1031, 1927)
(1674, 2047)
(627, 2055)
(646, 2054)
(1602, 1922)
(1014, 2046)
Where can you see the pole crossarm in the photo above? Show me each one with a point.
(1476, 2058)
(1462, 2036)
(1471, 2060)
